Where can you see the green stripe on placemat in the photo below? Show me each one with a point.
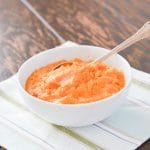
(65, 130)
(141, 83)
(79, 137)
(12, 100)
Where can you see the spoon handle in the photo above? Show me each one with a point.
(142, 33)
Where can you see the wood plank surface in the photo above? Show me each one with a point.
(91, 22)
(135, 12)
(21, 36)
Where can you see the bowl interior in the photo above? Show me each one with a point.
(83, 52)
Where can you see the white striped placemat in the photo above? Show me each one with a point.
(125, 129)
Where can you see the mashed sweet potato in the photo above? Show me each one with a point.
(74, 82)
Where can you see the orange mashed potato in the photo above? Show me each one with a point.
(74, 82)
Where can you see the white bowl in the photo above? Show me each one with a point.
(73, 115)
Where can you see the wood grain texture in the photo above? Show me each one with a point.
(21, 36)
(135, 12)
(91, 22)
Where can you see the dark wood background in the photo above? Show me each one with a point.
(102, 23)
